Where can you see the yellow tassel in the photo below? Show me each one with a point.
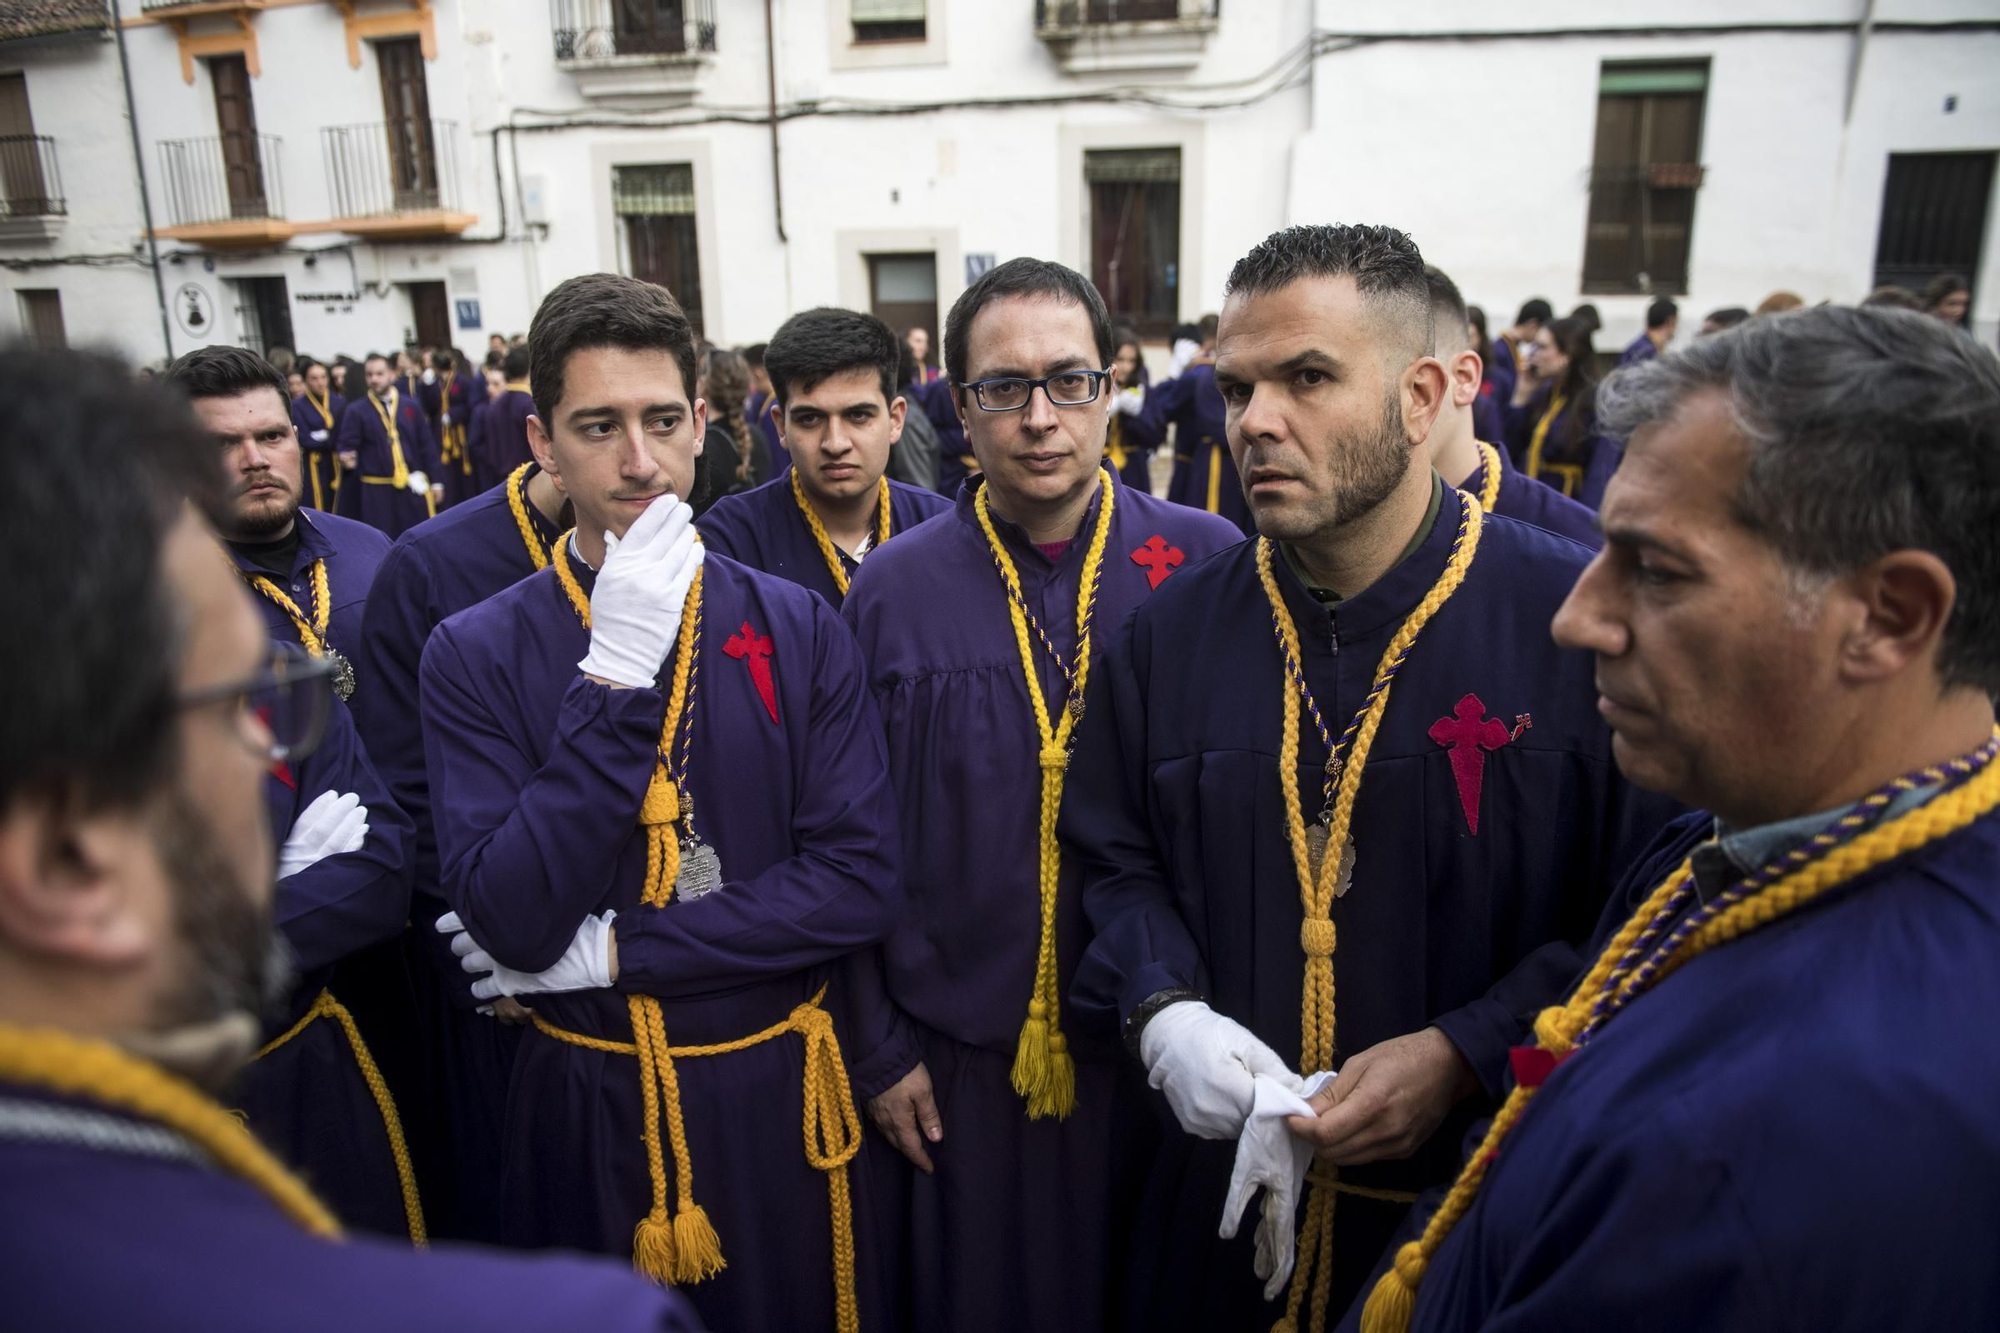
(1060, 1098)
(1393, 1303)
(1031, 1054)
(653, 1247)
(1285, 1324)
(699, 1249)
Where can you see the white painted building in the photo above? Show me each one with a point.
(368, 172)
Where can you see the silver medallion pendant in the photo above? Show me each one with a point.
(701, 870)
(343, 676)
(1316, 840)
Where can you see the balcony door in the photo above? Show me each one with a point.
(236, 118)
(20, 152)
(406, 106)
(648, 27)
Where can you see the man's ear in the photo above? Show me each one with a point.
(1903, 601)
(899, 412)
(1425, 388)
(1466, 371)
(540, 446)
(71, 882)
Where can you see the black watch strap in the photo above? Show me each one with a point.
(1151, 1005)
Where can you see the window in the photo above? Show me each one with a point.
(656, 234)
(1643, 177)
(889, 20)
(1933, 217)
(902, 293)
(1134, 231)
(406, 106)
(264, 313)
(236, 117)
(41, 318)
(648, 27)
(26, 160)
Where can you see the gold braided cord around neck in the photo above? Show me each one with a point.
(1044, 1071)
(1314, 1270)
(399, 469)
(818, 529)
(1489, 476)
(97, 1071)
(312, 633)
(323, 406)
(538, 550)
(1392, 1304)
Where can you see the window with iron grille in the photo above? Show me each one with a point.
(654, 205)
(1933, 218)
(1644, 172)
(889, 20)
(1135, 233)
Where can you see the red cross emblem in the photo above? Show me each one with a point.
(1468, 733)
(755, 650)
(1158, 560)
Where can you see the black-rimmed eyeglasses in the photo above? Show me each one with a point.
(282, 710)
(1069, 388)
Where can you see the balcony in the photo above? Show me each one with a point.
(31, 194)
(185, 9)
(653, 50)
(394, 180)
(224, 191)
(1126, 36)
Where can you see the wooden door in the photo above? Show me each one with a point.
(902, 293)
(648, 27)
(430, 312)
(236, 117)
(406, 107)
(42, 318)
(20, 152)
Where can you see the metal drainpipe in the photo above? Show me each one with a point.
(771, 73)
(145, 193)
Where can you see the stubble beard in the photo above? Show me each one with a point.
(1367, 469)
(232, 958)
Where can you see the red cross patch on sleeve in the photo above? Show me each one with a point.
(1158, 559)
(1468, 734)
(754, 650)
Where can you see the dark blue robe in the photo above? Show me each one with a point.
(1503, 370)
(448, 406)
(353, 552)
(1604, 461)
(367, 491)
(1570, 443)
(503, 439)
(937, 401)
(537, 776)
(319, 469)
(1175, 815)
(764, 529)
(761, 411)
(435, 570)
(1204, 473)
(98, 1238)
(1531, 501)
(1637, 352)
(1015, 1229)
(1487, 421)
(1795, 1130)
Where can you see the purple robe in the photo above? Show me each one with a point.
(1503, 370)
(1637, 352)
(764, 529)
(503, 439)
(367, 491)
(434, 571)
(937, 401)
(761, 411)
(1015, 1229)
(1129, 446)
(320, 470)
(131, 1229)
(1571, 440)
(1472, 881)
(448, 406)
(1536, 502)
(352, 551)
(537, 776)
(1487, 421)
(1204, 473)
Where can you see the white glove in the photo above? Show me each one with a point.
(635, 609)
(585, 965)
(332, 824)
(1205, 1064)
(1131, 401)
(420, 483)
(1185, 350)
(1271, 1157)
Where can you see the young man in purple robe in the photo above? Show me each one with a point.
(663, 812)
(760, 409)
(1662, 318)
(979, 629)
(503, 443)
(1770, 1102)
(1470, 460)
(135, 919)
(447, 399)
(315, 416)
(388, 458)
(1444, 843)
(833, 378)
(1204, 476)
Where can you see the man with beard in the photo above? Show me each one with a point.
(833, 378)
(315, 1093)
(980, 629)
(315, 416)
(135, 918)
(1454, 834)
(388, 457)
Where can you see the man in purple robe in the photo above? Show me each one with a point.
(435, 570)
(977, 646)
(1204, 477)
(937, 401)
(135, 920)
(503, 442)
(761, 409)
(447, 398)
(388, 458)
(315, 416)
(1443, 843)
(1662, 318)
(663, 813)
(833, 379)
(1511, 345)
(1473, 461)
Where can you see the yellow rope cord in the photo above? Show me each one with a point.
(1393, 1302)
(1114, 444)
(1489, 481)
(97, 1071)
(1215, 479)
(323, 406)
(1044, 1071)
(399, 474)
(1316, 931)
(312, 633)
(818, 529)
(325, 1006)
(1541, 435)
(517, 501)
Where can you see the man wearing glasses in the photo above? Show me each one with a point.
(979, 629)
(136, 903)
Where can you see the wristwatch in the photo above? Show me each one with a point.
(1152, 1004)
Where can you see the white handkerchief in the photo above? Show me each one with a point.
(1269, 1156)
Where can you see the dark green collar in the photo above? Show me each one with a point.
(1327, 596)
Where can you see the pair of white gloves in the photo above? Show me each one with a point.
(1224, 1083)
(635, 609)
(585, 965)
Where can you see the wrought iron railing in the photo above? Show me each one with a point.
(221, 178)
(30, 185)
(1061, 14)
(601, 29)
(397, 166)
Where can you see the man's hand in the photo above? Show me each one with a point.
(511, 1011)
(350, 459)
(907, 1116)
(1387, 1100)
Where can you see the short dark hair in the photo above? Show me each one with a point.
(1536, 308)
(1448, 308)
(1728, 317)
(517, 364)
(224, 372)
(754, 355)
(1385, 264)
(814, 345)
(1208, 326)
(1871, 430)
(384, 357)
(90, 713)
(603, 310)
(1022, 277)
(1661, 313)
(443, 360)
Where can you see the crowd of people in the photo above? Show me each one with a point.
(798, 838)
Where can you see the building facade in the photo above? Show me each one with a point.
(340, 176)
